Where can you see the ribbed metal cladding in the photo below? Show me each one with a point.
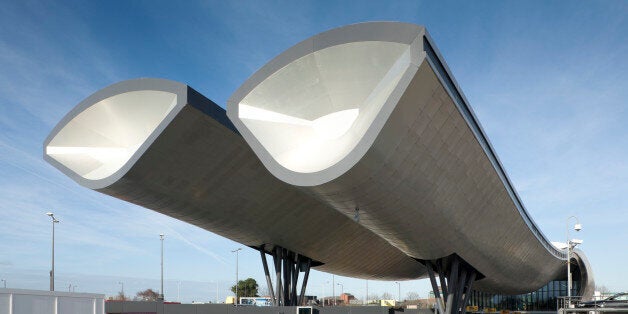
(427, 187)
(423, 176)
(199, 170)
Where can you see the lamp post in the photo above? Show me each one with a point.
(123, 297)
(342, 290)
(570, 245)
(122, 285)
(366, 296)
(5, 282)
(52, 271)
(398, 290)
(161, 292)
(333, 288)
(236, 292)
(323, 295)
(178, 291)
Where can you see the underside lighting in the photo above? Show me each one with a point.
(102, 154)
(329, 127)
(104, 136)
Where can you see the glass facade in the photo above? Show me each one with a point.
(544, 299)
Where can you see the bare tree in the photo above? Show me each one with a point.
(121, 297)
(386, 296)
(604, 291)
(412, 296)
(147, 295)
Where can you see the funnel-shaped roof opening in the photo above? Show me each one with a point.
(100, 140)
(101, 136)
(308, 109)
(311, 113)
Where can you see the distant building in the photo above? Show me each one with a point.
(346, 298)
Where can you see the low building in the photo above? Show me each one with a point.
(21, 301)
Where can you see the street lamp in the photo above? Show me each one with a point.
(342, 289)
(570, 245)
(333, 288)
(216, 292)
(123, 296)
(398, 290)
(236, 292)
(161, 292)
(5, 282)
(178, 291)
(323, 295)
(122, 284)
(52, 272)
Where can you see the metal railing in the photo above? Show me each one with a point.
(568, 302)
(571, 305)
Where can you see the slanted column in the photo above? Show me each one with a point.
(269, 282)
(456, 278)
(288, 265)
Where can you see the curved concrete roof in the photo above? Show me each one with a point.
(195, 167)
(363, 117)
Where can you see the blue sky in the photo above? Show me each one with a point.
(548, 81)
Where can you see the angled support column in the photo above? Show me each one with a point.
(288, 265)
(269, 282)
(277, 260)
(305, 278)
(439, 302)
(456, 278)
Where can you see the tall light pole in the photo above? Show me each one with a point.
(323, 295)
(236, 292)
(398, 291)
(52, 271)
(366, 297)
(161, 292)
(570, 245)
(122, 285)
(178, 291)
(333, 288)
(5, 282)
(342, 289)
(123, 296)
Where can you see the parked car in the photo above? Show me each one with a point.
(617, 300)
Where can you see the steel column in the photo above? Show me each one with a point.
(456, 279)
(269, 282)
(468, 293)
(288, 265)
(305, 278)
(277, 260)
(439, 301)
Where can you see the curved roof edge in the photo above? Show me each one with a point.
(587, 279)
(442, 70)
